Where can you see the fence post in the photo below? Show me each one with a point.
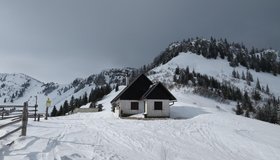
(35, 114)
(3, 112)
(24, 119)
(36, 105)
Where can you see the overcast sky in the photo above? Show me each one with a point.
(59, 40)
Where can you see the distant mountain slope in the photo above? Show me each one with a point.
(217, 68)
(215, 58)
(202, 131)
(19, 88)
(255, 95)
(261, 60)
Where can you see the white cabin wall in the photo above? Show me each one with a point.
(165, 112)
(125, 107)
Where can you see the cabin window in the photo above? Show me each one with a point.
(134, 105)
(158, 105)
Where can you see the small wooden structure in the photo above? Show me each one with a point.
(85, 110)
(92, 108)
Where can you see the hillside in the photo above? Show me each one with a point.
(19, 88)
(202, 131)
(199, 127)
(214, 78)
(218, 68)
(216, 59)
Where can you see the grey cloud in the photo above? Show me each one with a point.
(60, 40)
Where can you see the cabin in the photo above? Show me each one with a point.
(142, 96)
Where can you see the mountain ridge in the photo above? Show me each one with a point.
(18, 88)
(177, 54)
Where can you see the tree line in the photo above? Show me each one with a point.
(95, 95)
(208, 86)
(236, 54)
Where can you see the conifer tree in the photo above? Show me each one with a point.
(268, 113)
(243, 76)
(246, 103)
(80, 101)
(234, 74)
(77, 102)
(237, 75)
(238, 94)
(72, 101)
(247, 113)
(258, 86)
(267, 89)
(174, 78)
(85, 99)
(256, 95)
(177, 71)
(13, 96)
(60, 111)
(91, 95)
(187, 70)
(117, 87)
(250, 76)
(248, 82)
(54, 112)
(72, 104)
(65, 107)
(239, 110)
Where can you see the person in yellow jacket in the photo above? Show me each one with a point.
(48, 104)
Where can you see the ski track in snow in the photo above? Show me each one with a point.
(205, 133)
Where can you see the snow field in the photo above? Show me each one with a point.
(217, 68)
(202, 132)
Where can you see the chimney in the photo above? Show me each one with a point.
(126, 80)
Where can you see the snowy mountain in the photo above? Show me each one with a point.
(218, 68)
(214, 58)
(19, 88)
(198, 129)
(224, 71)
(15, 86)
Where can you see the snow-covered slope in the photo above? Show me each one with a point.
(15, 86)
(217, 68)
(203, 131)
(19, 88)
(199, 128)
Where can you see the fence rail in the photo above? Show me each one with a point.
(20, 116)
(11, 132)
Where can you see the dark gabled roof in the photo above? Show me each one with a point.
(158, 91)
(135, 90)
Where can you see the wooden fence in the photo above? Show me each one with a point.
(12, 114)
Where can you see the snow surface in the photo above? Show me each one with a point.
(202, 131)
(199, 128)
(14, 82)
(217, 68)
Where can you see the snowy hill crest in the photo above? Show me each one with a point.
(18, 88)
(215, 58)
